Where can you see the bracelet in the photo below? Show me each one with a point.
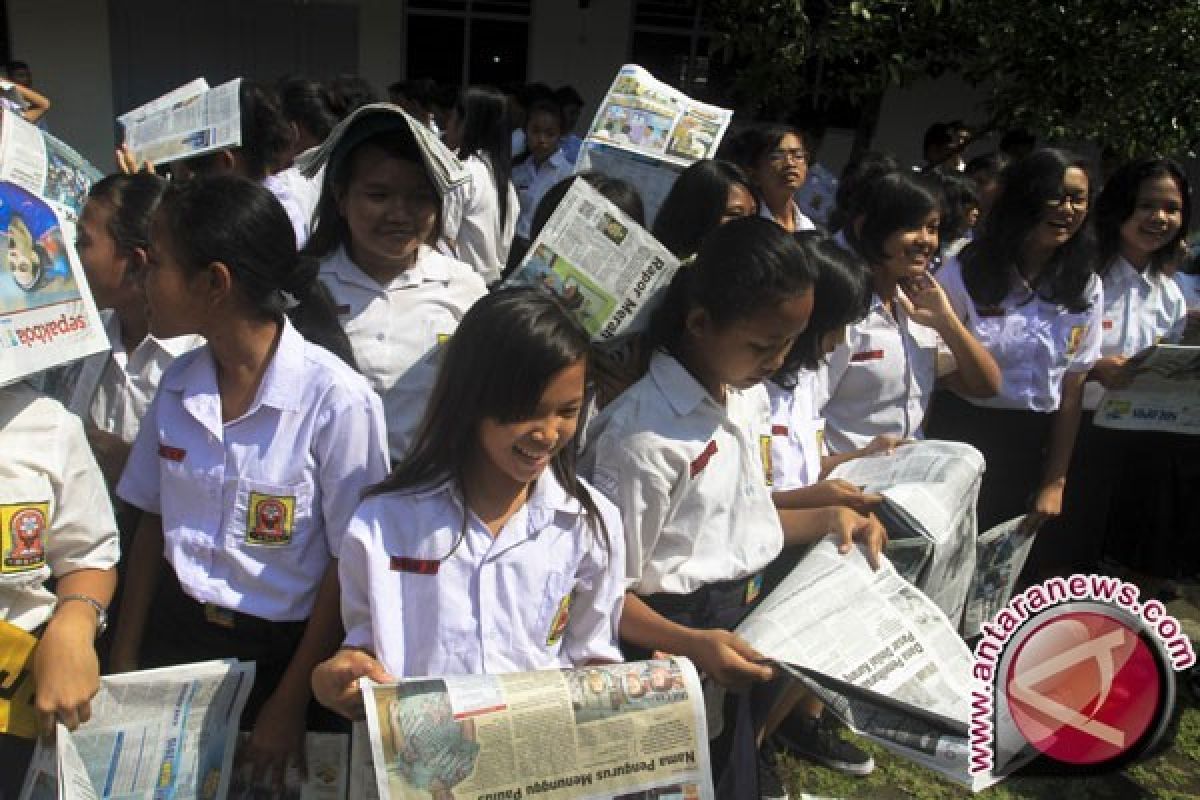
(101, 612)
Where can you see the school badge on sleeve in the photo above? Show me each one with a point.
(270, 520)
(23, 529)
(558, 626)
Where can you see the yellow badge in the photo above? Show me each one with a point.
(820, 442)
(753, 589)
(1074, 339)
(764, 449)
(23, 530)
(558, 626)
(270, 520)
(18, 716)
(442, 338)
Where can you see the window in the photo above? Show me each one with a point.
(460, 42)
(671, 39)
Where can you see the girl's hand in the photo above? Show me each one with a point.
(1047, 505)
(128, 163)
(1111, 372)
(66, 670)
(728, 659)
(837, 492)
(335, 681)
(276, 743)
(850, 527)
(924, 302)
(884, 444)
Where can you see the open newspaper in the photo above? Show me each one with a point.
(1000, 557)
(596, 732)
(1164, 394)
(327, 756)
(44, 165)
(929, 493)
(153, 734)
(647, 132)
(185, 122)
(878, 652)
(607, 270)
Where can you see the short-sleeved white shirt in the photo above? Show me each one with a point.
(1035, 342)
(254, 509)
(690, 477)
(531, 182)
(544, 593)
(113, 390)
(472, 219)
(299, 196)
(880, 380)
(55, 515)
(797, 433)
(803, 223)
(395, 330)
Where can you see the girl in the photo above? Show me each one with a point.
(477, 131)
(1025, 289)
(776, 159)
(682, 453)
(398, 298)
(487, 498)
(256, 450)
(543, 163)
(706, 194)
(880, 380)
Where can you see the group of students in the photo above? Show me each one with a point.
(345, 457)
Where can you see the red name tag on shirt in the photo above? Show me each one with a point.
(171, 453)
(702, 460)
(866, 355)
(1107, 324)
(779, 430)
(419, 566)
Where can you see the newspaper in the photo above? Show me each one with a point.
(47, 316)
(878, 652)
(186, 122)
(1000, 556)
(594, 732)
(653, 178)
(167, 732)
(328, 758)
(929, 490)
(44, 165)
(607, 270)
(1164, 394)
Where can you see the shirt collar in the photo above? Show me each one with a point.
(283, 382)
(546, 498)
(428, 268)
(681, 390)
(1122, 273)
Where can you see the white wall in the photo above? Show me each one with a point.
(66, 45)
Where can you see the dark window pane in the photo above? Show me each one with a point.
(665, 55)
(499, 52)
(517, 8)
(435, 48)
(437, 5)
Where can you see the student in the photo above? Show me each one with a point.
(706, 194)
(960, 214)
(682, 454)
(985, 171)
(488, 498)
(397, 297)
(542, 164)
(23, 101)
(1025, 290)
(571, 103)
(254, 454)
(775, 158)
(347, 93)
(852, 191)
(482, 215)
(61, 533)
(881, 379)
(306, 108)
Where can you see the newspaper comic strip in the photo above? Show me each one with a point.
(596, 732)
(1164, 394)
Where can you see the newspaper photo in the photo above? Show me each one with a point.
(999, 559)
(605, 268)
(1164, 394)
(186, 122)
(167, 732)
(327, 756)
(47, 316)
(929, 490)
(43, 165)
(594, 732)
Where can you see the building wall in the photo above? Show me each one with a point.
(907, 112)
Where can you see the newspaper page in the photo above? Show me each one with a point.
(930, 489)
(191, 89)
(1000, 557)
(167, 732)
(44, 165)
(1164, 394)
(188, 125)
(607, 270)
(652, 177)
(327, 756)
(47, 315)
(880, 654)
(595, 732)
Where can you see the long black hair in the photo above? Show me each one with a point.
(854, 186)
(1118, 201)
(893, 202)
(483, 114)
(988, 261)
(696, 204)
(132, 199)
(239, 223)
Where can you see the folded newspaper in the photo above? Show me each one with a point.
(153, 734)
(597, 732)
(607, 270)
(188, 121)
(44, 165)
(1164, 394)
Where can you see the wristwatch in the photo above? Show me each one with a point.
(101, 613)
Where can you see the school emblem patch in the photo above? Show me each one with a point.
(1074, 339)
(558, 626)
(270, 520)
(24, 532)
(764, 450)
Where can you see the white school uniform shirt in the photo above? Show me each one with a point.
(472, 220)
(880, 380)
(532, 182)
(298, 195)
(55, 513)
(254, 509)
(1140, 310)
(803, 223)
(396, 330)
(1189, 285)
(797, 433)
(544, 593)
(113, 390)
(690, 479)
(1035, 342)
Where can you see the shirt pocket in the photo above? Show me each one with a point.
(26, 509)
(555, 611)
(271, 516)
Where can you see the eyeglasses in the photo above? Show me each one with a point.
(1078, 201)
(782, 156)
